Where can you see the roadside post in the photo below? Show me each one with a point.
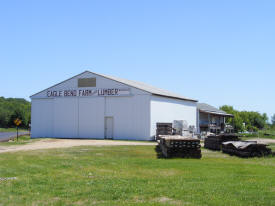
(17, 122)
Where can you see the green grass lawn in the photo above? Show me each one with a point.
(132, 175)
(12, 130)
(272, 146)
(269, 134)
(25, 139)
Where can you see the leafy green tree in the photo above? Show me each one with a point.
(253, 121)
(228, 110)
(238, 123)
(12, 108)
(273, 120)
(4, 118)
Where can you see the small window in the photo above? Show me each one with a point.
(87, 82)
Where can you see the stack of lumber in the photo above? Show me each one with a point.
(164, 129)
(246, 149)
(179, 146)
(214, 142)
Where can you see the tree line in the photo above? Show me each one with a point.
(273, 121)
(12, 108)
(248, 120)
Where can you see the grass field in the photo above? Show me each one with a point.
(21, 140)
(132, 175)
(12, 130)
(269, 134)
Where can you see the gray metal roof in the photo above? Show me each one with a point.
(212, 110)
(135, 84)
(147, 88)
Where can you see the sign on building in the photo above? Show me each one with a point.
(88, 92)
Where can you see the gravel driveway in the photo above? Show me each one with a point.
(64, 143)
(5, 136)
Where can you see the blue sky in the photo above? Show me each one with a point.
(219, 52)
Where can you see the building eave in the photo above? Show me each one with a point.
(216, 113)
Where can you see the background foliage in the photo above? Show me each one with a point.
(246, 120)
(12, 108)
(273, 120)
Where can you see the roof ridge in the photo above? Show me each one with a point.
(211, 109)
(128, 82)
(133, 83)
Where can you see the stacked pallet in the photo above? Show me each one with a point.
(179, 146)
(164, 129)
(214, 142)
(246, 149)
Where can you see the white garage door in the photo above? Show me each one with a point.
(42, 118)
(131, 117)
(91, 118)
(66, 117)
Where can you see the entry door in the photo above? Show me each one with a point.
(109, 125)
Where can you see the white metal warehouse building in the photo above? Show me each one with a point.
(97, 106)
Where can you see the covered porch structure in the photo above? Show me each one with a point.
(212, 119)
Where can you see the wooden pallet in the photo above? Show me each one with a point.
(164, 129)
(179, 146)
(253, 150)
(214, 142)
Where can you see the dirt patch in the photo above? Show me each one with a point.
(167, 201)
(64, 143)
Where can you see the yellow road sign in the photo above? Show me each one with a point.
(17, 122)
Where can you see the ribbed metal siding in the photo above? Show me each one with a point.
(167, 110)
(131, 116)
